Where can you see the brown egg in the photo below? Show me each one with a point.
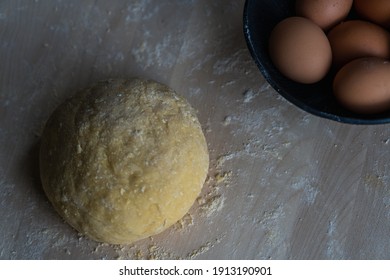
(363, 85)
(356, 38)
(300, 50)
(377, 11)
(325, 13)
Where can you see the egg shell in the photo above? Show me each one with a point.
(356, 38)
(300, 50)
(363, 85)
(325, 13)
(377, 11)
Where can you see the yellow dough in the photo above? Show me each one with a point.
(123, 160)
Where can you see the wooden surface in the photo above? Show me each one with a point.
(283, 184)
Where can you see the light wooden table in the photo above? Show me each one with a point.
(283, 184)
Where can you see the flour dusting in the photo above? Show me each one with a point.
(334, 248)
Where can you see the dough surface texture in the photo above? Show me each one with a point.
(123, 160)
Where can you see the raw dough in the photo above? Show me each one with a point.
(123, 160)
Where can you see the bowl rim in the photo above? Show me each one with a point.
(303, 106)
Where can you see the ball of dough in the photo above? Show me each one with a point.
(123, 160)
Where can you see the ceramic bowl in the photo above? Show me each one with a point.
(260, 17)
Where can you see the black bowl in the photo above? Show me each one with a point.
(260, 17)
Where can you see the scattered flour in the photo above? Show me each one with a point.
(160, 54)
(334, 248)
(204, 248)
(249, 95)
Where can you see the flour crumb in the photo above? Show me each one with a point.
(184, 222)
(212, 205)
(204, 248)
(227, 120)
(249, 95)
(222, 177)
(201, 250)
